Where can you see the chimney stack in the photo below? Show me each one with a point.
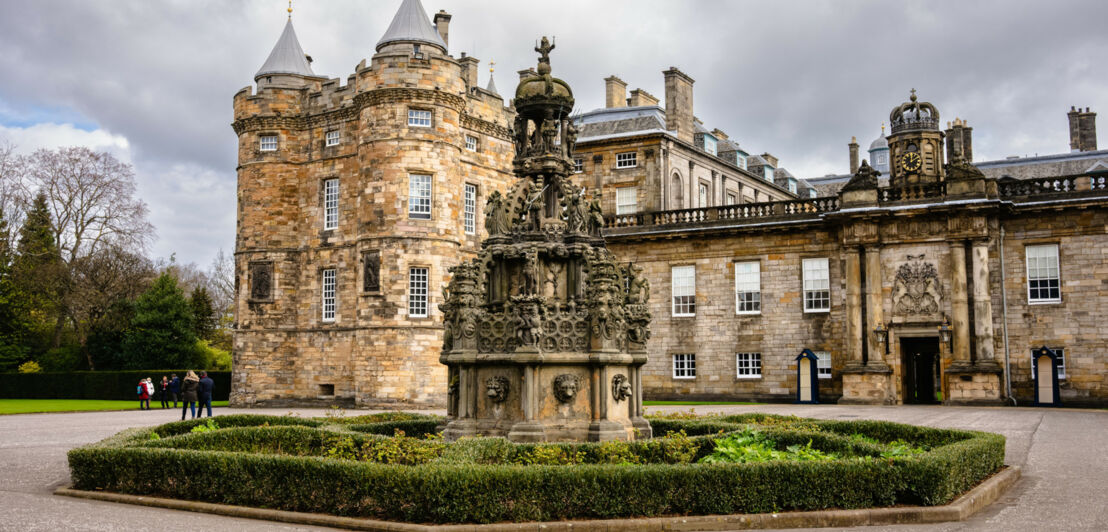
(959, 141)
(469, 70)
(442, 23)
(641, 98)
(853, 155)
(615, 92)
(527, 73)
(1082, 129)
(679, 104)
(771, 160)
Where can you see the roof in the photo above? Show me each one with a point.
(492, 85)
(619, 121)
(879, 143)
(287, 57)
(411, 25)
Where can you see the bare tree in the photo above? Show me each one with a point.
(91, 197)
(99, 280)
(10, 205)
(222, 281)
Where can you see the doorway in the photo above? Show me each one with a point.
(921, 365)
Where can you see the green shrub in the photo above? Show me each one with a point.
(30, 367)
(325, 467)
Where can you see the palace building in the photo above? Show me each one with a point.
(920, 276)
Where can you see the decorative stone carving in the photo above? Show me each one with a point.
(565, 387)
(261, 280)
(864, 178)
(496, 388)
(621, 388)
(917, 289)
(371, 271)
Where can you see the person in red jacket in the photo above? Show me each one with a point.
(144, 395)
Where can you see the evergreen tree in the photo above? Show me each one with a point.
(14, 324)
(203, 313)
(161, 333)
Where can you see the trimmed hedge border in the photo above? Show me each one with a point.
(462, 487)
(106, 385)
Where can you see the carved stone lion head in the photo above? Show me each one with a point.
(565, 387)
(621, 388)
(497, 388)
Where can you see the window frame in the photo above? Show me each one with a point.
(416, 118)
(687, 369)
(621, 205)
(471, 143)
(823, 362)
(690, 305)
(330, 204)
(732, 199)
(753, 366)
(627, 159)
(332, 135)
(415, 298)
(418, 209)
(469, 208)
(1057, 266)
(329, 295)
(757, 273)
(703, 195)
(804, 280)
(578, 165)
(262, 142)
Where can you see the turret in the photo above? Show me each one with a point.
(411, 31)
(287, 65)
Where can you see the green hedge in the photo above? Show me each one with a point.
(277, 465)
(107, 385)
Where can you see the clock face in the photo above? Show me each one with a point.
(910, 162)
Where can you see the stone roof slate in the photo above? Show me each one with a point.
(411, 24)
(287, 57)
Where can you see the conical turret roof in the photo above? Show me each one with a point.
(411, 25)
(287, 57)
(492, 85)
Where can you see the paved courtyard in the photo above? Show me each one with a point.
(1064, 455)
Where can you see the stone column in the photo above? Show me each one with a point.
(854, 333)
(959, 305)
(875, 311)
(982, 305)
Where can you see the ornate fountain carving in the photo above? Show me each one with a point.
(545, 301)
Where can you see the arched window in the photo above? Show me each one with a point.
(676, 192)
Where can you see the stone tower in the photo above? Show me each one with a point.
(545, 333)
(354, 200)
(916, 144)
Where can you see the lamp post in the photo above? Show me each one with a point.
(882, 334)
(944, 331)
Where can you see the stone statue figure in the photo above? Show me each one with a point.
(571, 137)
(527, 327)
(260, 281)
(544, 55)
(596, 218)
(535, 205)
(621, 387)
(549, 132)
(638, 287)
(550, 282)
(522, 140)
(496, 388)
(565, 387)
(496, 215)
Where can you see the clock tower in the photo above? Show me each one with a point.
(915, 145)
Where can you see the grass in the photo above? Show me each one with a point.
(33, 406)
(695, 403)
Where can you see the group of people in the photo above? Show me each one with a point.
(195, 393)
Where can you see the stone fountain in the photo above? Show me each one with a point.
(545, 333)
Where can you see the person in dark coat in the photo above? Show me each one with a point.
(205, 393)
(174, 388)
(188, 394)
(143, 395)
(163, 392)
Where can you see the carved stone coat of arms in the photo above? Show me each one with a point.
(917, 289)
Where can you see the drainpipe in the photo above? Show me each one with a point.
(1004, 315)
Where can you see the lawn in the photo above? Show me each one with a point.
(31, 406)
(694, 403)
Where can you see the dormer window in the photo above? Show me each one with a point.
(792, 186)
(267, 143)
(710, 145)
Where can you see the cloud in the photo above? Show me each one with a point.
(796, 79)
(51, 136)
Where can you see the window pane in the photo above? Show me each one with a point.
(748, 365)
(330, 203)
(419, 196)
(817, 291)
(684, 290)
(471, 143)
(625, 160)
(1043, 280)
(470, 209)
(627, 201)
(748, 288)
(823, 364)
(419, 118)
(328, 295)
(268, 143)
(417, 292)
(332, 138)
(684, 366)
(578, 165)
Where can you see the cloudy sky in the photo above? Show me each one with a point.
(151, 81)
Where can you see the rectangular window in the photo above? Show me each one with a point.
(684, 366)
(748, 365)
(267, 143)
(823, 364)
(578, 165)
(769, 172)
(417, 292)
(748, 288)
(470, 209)
(1061, 354)
(626, 160)
(811, 193)
(1043, 280)
(333, 138)
(329, 294)
(731, 199)
(683, 283)
(710, 145)
(419, 118)
(627, 200)
(792, 186)
(471, 143)
(817, 286)
(740, 161)
(330, 203)
(419, 196)
(703, 195)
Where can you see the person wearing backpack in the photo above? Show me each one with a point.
(143, 395)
